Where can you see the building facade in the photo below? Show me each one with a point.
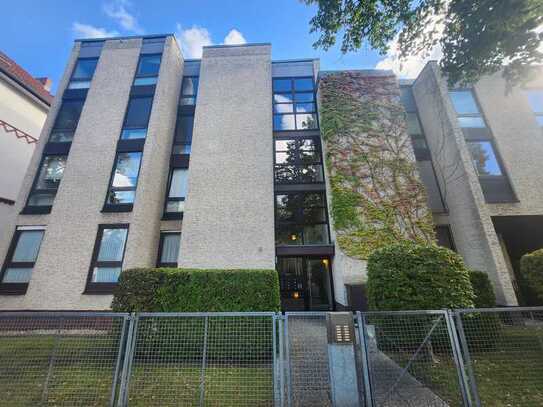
(24, 103)
(147, 159)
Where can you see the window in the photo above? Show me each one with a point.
(66, 121)
(177, 190)
(298, 161)
(83, 73)
(107, 258)
(535, 98)
(137, 118)
(184, 128)
(466, 108)
(444, 237)
(294, 105)
(124, 180)
(46, 185)
(483, 158)
(147, 71)
(21, 258)
(168, 249)
(301, 219)
(189, 91)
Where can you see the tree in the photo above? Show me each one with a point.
(478, 37)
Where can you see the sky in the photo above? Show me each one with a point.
(39, 35)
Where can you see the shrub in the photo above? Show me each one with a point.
(483, 290)
(531, 277)
(409, 276)
(194, 290)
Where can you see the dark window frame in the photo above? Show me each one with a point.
(477, 104)
(104, 288)
(294, 102)
(121, 207)
(298, 222)
(194, 95)
(84, 79)
(41, 209)
(298, 163)
(163, 233)
(133, 97)
(17, 288)
(173, 215)
(56, 128)
(137, 75)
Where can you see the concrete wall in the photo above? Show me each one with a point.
(518, 140)
(229, 211)
(61, 270)
(469, 216)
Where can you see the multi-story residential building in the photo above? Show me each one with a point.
(148, 159)
(24, 103)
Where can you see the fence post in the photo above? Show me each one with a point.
(126, 321)
(469, 367)
(203, 372)
(458, 361)
(281, 359)
(287, 363)
(51, 363)
(275, 364)
(368, 397)
(127, 362)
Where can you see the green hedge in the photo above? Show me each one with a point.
(482, 288)
(195, 290)
(409, 276)
(531, 277)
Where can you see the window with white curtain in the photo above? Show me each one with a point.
(177, 190)
(108, 256)
(168, 249)
(22, 255)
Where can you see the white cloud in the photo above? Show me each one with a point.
(117, 10)
(89, 31)
(234, 37)
(411, 66)
(192, 40)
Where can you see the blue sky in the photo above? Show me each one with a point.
(39, 35)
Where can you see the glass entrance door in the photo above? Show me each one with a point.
(305, 283)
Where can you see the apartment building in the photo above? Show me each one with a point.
(149, 159)
(24, 103)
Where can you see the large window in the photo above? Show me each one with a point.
(294, 106)
(107, 258)
(183, 131)
(137, 118)
(535, 98)
(177, 191)
(189, 91)
(301, 219)
(124, 181)
(83, 73)
(21, 258)
(168, 249)
(148, 68)
(467, 111)
(46, 184)
(298, 160)
(483, 158)
(66, 120)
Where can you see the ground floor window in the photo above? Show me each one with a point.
(305, 283)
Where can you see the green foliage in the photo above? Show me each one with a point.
(477, 37)
(483, 290)
(377, 198)
(194, 290)
(408, 276)
(531, 277)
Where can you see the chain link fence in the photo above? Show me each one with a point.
(490, 357)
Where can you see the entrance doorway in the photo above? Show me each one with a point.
(306, 283)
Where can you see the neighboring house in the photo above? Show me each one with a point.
(24, 103)
(149, 159)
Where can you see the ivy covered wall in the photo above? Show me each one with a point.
(377, 196)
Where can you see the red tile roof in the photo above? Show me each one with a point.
(18, 74)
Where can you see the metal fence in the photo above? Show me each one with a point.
(491, 357)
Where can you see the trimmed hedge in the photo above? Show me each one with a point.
(195, 290)
(482, 288)
(409, 276)
(531, 277)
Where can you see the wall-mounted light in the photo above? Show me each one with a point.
(325, 262)
(295, 295)
(293, 237)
